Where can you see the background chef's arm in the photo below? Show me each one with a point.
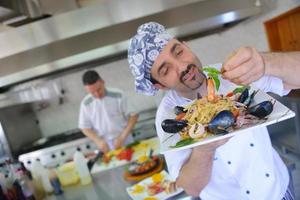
(285, 66)
(91, 134)
(133, 117)
(100, 142)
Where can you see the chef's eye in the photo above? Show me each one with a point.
(165, 71)
(178, 51)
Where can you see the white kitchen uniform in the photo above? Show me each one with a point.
(106, 116)
(246, 167)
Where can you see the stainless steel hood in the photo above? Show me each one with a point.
(99, 31)
(37, 8)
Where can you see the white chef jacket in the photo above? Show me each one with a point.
(106, 116)
(246, 167)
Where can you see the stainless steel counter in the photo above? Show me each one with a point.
(107, 185)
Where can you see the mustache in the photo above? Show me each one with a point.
(183, 73)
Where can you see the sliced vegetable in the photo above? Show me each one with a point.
(106, 158)
(126, 154)
(217, 82)
(137, 189)
(132, 144)
(150, 198)
(211, 70)
(229, 94)
(184, 142)
(240, 89)
(157, 178)
(142, 159)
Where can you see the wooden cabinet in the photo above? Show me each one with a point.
(283, 32)
(295, 24)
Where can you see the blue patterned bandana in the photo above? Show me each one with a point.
(143, 49)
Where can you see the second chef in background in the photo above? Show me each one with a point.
(103, 116)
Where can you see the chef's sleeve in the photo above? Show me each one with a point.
(84, 118)
(271, 84)
(175, 160)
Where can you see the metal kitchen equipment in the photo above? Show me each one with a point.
(102, 31)
(58, 149)
(18, 127)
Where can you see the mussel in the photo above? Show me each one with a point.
(221, 122)
(173, 125)
(249, 99)
(261, 110)
(246, 98)
(244, 95)
(178, 110)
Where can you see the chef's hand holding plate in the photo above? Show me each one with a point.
(244, 66)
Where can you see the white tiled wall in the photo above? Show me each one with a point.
(211, 49)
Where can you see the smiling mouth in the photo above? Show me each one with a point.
(188, 74)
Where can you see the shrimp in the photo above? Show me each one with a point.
(210, 90)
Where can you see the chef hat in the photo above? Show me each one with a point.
(143, 49)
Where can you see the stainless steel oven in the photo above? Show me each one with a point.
(58, 149)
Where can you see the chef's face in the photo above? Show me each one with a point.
(177, 68)
(97, 89)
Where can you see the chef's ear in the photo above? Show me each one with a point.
(102, 81)
(185, 44)
(159, 86)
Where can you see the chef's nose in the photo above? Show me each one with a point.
(180, 65)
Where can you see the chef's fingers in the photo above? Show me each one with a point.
(226, 60)
(242, 55)
(105, 148)
(237, 72)
(251, 79)
(246, 78)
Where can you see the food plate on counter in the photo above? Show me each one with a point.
(126, 154)
(158, 186)
(185, 132)
(142, 168)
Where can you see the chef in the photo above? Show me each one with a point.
(243, 167)
(103, 117)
